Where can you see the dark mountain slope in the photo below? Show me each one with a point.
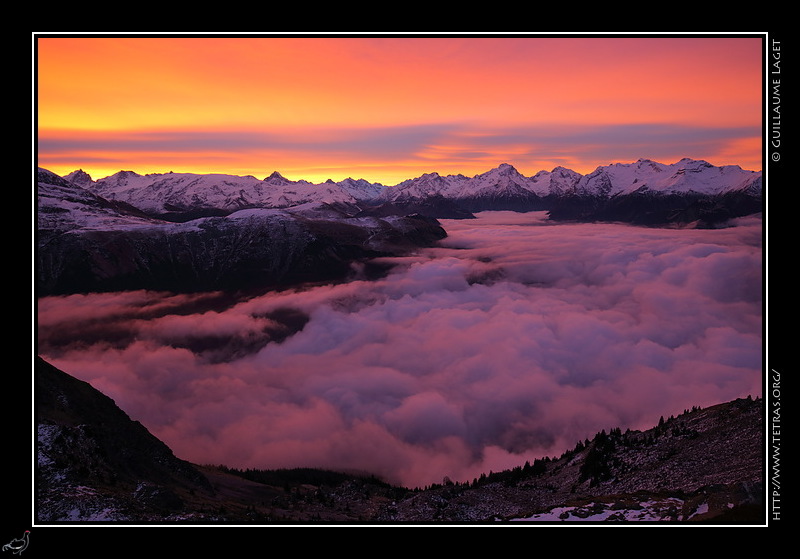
(96, 465)
(91, 451)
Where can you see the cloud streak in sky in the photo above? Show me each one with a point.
(513, 340)
(439, 146)
(367, 144)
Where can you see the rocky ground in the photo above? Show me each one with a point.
(96, 465)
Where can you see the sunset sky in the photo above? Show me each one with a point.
(391, 108)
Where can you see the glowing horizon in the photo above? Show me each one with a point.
(388, 109)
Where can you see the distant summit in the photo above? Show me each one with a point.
(79, 177)
(276, 178)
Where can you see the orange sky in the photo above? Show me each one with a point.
(390, 108)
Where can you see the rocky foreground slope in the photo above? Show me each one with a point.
(96, 465)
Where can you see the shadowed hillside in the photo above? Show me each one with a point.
(95, 464)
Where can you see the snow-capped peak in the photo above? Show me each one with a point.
(79, 177)
(277, 179)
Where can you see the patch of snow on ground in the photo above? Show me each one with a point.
(701, 509)
(655, 510)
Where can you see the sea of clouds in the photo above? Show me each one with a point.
(512, 340)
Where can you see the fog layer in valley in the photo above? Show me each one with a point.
(512, 340)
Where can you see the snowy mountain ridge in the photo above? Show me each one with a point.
(169, 192)
(683, 177)
(165, 192)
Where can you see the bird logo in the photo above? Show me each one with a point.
(18, 545)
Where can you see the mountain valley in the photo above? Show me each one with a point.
(96, 465)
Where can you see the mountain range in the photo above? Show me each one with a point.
(645, 191)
